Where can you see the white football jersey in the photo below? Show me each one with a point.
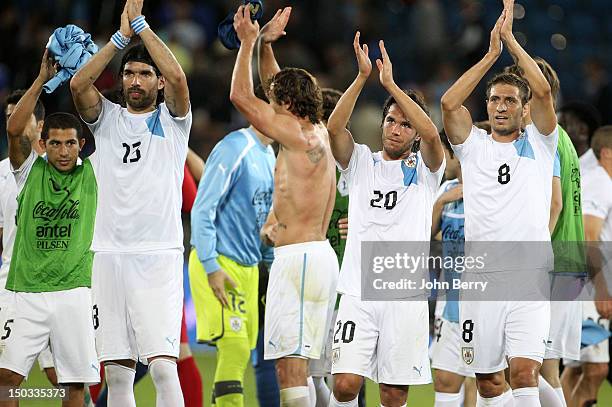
(588, 161)
(507, 190)
(597, 199)
(389, 201)
(139, 163)
(8, 210)
(507, 186)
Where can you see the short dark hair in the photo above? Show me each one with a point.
(549, 73)
(513, 80)
(330, 100)
(601, 139)
(138, 53)
(61, 120)
(418, 99)
(300, 90)
(585, 113)
(14, 97)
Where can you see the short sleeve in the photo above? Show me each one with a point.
(108, 108)
(21, 173)
(469, 144)
(596, 201)
(432, 179)
(360, 153)
(182, 124)
(550, 141)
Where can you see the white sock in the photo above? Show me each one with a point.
(548, 395)
(561, 396)
(490, 402)
(295, 397)
(120, 382)
(508, 398)
(322, 392)
(167, 386)
(526, 397)
(335, 403)
(312, 391)
(448, 400)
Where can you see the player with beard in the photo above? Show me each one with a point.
(139, 163)
(385, 188)
(507, 191)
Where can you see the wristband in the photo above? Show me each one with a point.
(119, 40)
(139, 24)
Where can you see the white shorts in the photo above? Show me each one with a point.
(300, 300)
(493, 330)
(565, 327)
(598, 353)
(385, 341)
(446, 351)
(138, 304)
(322, 367)
(59, 318)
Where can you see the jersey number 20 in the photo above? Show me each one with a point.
(390, 200)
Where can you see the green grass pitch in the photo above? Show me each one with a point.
(419, 396)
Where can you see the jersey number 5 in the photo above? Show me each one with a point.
(134, 149)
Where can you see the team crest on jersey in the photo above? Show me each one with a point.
(335, 355)
(236, 324)
(411, 161)
(468, 355)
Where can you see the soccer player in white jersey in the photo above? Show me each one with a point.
(391, 198)
(585, 377)
(505, 173)
(140, 154)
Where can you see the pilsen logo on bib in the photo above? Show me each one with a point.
(54, 224)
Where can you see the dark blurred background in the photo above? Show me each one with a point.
(430, 42)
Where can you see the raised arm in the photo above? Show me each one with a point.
(272, 31)
(542, 107)
(280, 127)
(19, 142)
(456, 117)
(87, 98)
(341, 140)
(176, 91)
(431, 146)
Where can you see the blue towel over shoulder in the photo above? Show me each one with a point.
(71, 48)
